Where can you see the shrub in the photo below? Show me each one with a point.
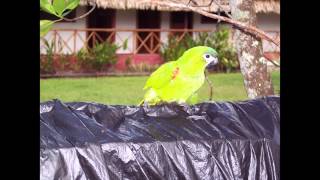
(99, 56)
(218, 40)
(226, 52)
(142, 67)
(174, 49)
(46, 61)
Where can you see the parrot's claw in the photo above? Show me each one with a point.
(145, 104)
(183, 104)
(165, 103)
(161, 103)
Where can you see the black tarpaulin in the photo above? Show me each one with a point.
(222, 140)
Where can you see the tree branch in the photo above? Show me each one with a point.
(273, 62)
(247, 28)
(208, 5)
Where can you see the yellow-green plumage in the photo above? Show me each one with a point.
(178, 81)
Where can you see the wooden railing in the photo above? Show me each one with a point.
(70, 41)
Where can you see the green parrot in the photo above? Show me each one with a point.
(178, 81)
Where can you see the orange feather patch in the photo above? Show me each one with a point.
(175, 73)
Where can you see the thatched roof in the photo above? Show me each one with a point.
(260, 5)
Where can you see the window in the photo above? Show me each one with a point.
(149, 20)
(181, 20)
(47, 16)
(207, 20)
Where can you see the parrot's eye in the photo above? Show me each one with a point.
(210, 59)
(207, 57)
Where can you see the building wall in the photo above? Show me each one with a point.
(270, 23)
(197, 23)
(165, 24)
(79, 24)
(125, 20)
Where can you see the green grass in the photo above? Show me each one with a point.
(128, 90)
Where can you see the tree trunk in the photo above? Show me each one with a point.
(253, 65)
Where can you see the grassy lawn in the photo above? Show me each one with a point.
(128, 90)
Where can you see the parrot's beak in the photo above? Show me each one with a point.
(212, 64)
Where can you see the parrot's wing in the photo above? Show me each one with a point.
(161, 76)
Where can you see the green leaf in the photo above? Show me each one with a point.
(125, 44)
(59, 6)
(45, 26)
(46, 6)
(71, 4)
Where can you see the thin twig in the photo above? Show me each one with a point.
(208, 5)
(82, 16)
(210, 85)
(220, 7)
(196, 4)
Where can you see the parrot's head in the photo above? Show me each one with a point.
(203, 56)
(211, 57)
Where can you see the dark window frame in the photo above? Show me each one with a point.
(188, 18)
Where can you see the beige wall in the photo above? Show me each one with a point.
(165, 24)
(270, 23)
(125, 20)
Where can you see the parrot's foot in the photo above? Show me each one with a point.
(184, 104)
(210, 101)
(165, 103)
(161, 103)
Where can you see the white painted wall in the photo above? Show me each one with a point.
(198, 25)
(165, 24)
(266, 21)
(66, 35)
(125, 20)
(269, 22)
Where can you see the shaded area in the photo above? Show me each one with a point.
(227, 140)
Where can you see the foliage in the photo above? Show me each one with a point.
(128, 61)
(173, 49)
(46, 61)
(226, 52)
(98, 56)
(142, 67)
(65, 63)
(45, 26)
(218, 40)
(59, 8)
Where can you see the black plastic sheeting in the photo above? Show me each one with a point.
(222, 140)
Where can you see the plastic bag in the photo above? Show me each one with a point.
(222, 140)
